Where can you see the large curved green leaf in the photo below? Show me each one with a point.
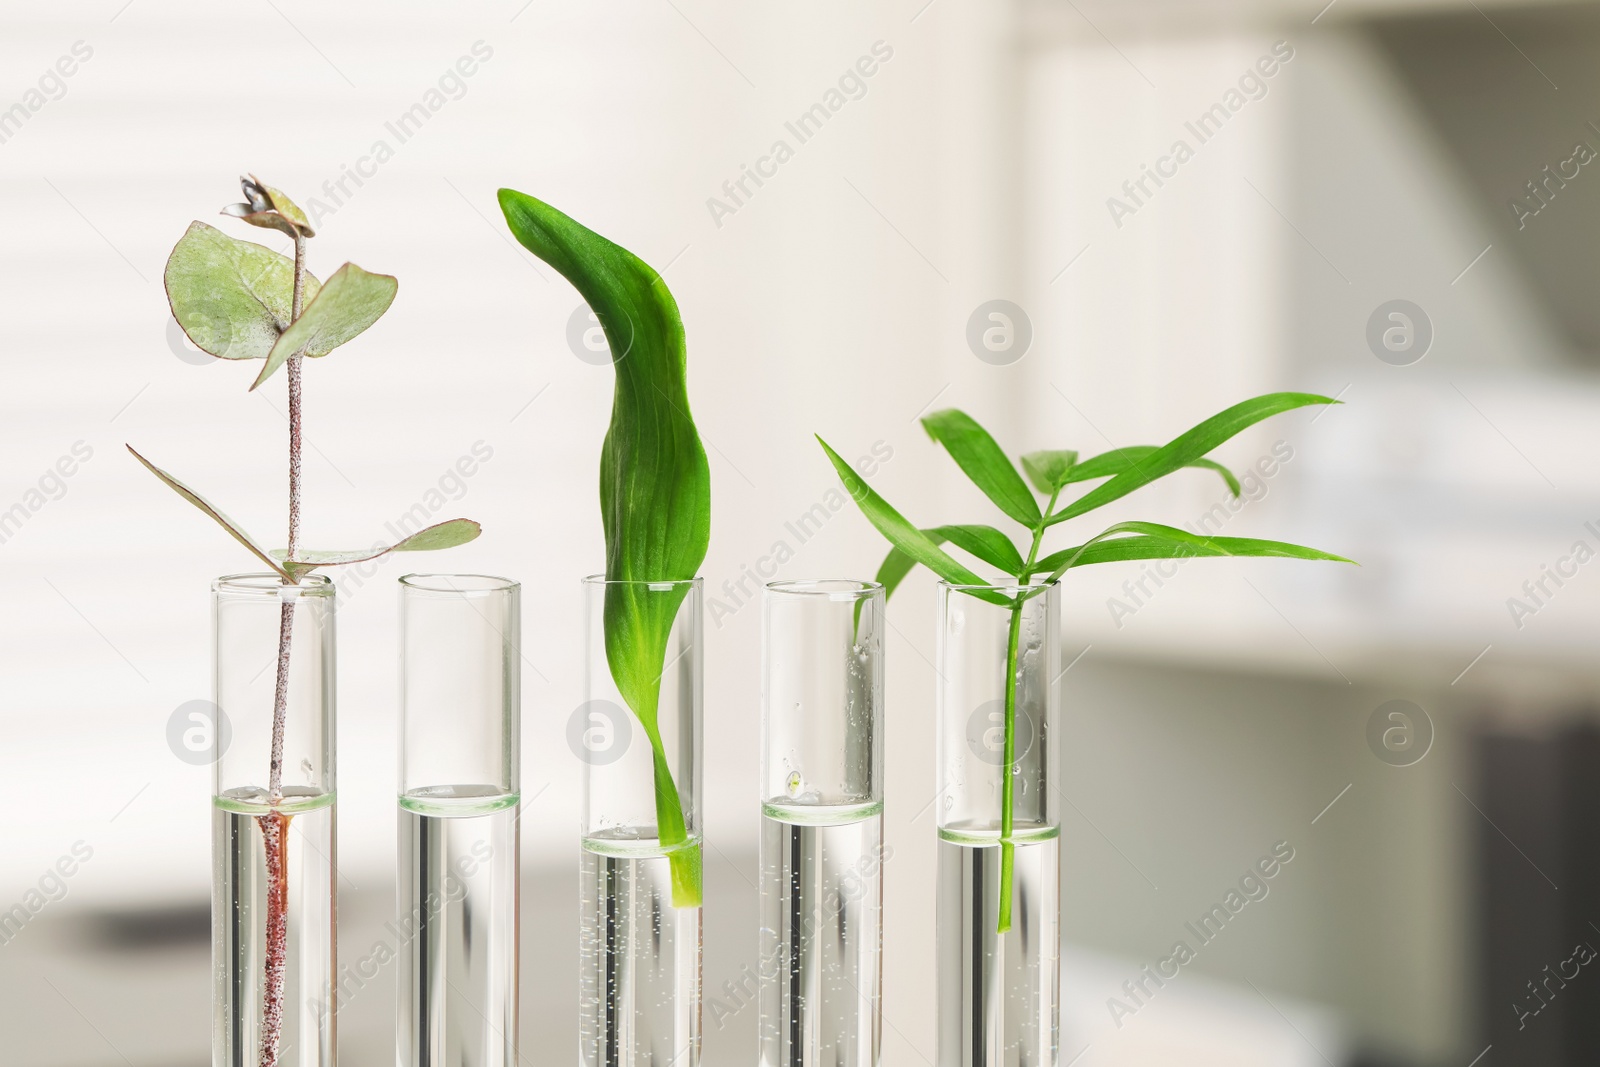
(655, 485)
(233, 298)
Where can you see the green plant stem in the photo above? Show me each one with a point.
(1007, 784)
(1007, 846)
(672, 833)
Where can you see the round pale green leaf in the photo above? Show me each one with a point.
(351, 301)
(440, 535)
(232, 298)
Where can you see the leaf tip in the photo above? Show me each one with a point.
(510, 200)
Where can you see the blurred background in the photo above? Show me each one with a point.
(1180, 203)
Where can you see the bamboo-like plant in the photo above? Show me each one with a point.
(655, 485)
(243, 301)
(1050, 472)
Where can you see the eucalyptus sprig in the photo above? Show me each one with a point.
(1050, 472)
(242, 301)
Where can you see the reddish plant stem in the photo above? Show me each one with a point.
(275, 834)
(275, 827)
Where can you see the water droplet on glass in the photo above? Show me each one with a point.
(794, 784)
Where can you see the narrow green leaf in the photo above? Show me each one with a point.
(1187, 447)
(1228, 477)
(440, 535)
(1120, 550)
(1049, 471)
(984, 542)
(655, 485)
(233, 298)
(350, 301)
(1119, 460)
(916, 545)
(234, 529)
(1153, 540)
(981, 459)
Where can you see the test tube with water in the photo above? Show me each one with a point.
(822, 851)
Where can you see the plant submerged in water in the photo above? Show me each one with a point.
(1050, 472)
(655, 486)
(238, 300)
